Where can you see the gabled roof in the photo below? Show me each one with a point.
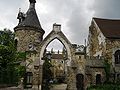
(109, 27)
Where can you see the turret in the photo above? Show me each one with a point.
(29, 29)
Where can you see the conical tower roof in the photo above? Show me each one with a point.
(31, 18)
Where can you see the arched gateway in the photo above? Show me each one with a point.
(56, 33)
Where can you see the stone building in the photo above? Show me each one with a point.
(57, 61)
(83, 67)
(104, 42)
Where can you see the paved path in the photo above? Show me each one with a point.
(10, 88)
(55, 87)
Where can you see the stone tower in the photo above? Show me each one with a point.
(28, 32)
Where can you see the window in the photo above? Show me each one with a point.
(118, 76)
(62, 61)
(29, 77)
(117, 57)
(79, 57)
(28, 80)
(16, 42)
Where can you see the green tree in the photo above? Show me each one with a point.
(10, 69)
(47, 74)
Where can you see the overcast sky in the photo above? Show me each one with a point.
(74, 15)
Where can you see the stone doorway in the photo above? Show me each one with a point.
(80, 81)
(98, 79)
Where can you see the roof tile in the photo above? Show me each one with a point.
(109, 27)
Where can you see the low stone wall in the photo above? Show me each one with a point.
(59, 87)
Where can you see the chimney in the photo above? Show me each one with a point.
(57, 27)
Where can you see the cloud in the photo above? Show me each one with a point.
(8, 13)
(107, 8)
(71, 14)
(56, 45)
(74, 15)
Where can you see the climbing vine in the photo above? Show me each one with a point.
(107, 69)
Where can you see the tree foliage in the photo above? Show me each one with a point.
(10, 69)
(107, 70)
(47, 74)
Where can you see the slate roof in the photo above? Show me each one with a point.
(109, 27)
(31, 18)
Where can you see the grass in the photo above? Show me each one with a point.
(104, 87)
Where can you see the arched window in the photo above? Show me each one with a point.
(117, 57)
(16, 42)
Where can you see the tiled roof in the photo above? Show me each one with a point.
(109, 27)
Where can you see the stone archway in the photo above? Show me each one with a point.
(56, 36)
(56, 33)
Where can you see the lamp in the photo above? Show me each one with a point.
(49, 55)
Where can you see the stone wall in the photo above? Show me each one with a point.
(96, 39)
(111, 46)
(96, 71)
(71, 79)
(80, 64)
(26, 36)
(100, 45)
(96, 48)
